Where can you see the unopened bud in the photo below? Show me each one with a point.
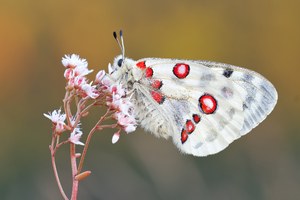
(77, 155)
(82, 175)
(99, 76)
(84, 114)
(115, 137)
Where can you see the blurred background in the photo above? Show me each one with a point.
(262, 35)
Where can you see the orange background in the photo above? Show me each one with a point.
(263, 35)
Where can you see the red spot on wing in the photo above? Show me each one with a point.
(156, 84)
(207, 104)
(181, 70)
(190, 127)
(184, 136)
(196, 118)
(149, 72)
(158, 97)
(141, 64)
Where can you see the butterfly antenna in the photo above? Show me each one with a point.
(121, 44)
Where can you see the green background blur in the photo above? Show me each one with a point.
(262, 35)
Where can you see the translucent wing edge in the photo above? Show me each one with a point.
(261, 95)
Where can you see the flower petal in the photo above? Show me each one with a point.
(75, 136)
(72, 61)
(100, 75)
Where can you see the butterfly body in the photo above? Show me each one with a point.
(203, 106)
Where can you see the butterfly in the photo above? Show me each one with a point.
(202, 105)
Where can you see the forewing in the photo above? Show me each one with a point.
(261, 95)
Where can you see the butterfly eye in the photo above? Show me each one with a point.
(120, 61)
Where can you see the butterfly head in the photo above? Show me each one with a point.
(121, 67)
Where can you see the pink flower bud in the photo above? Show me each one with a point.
(115, 137)
(77, 155)
(79, 81)
(69, 73)
(83, 175)
(100, 75)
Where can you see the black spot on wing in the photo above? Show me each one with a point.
(227, 72)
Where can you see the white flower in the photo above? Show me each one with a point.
(130, 128)
(100, 75)
(124, 120)
(127, 122)
(55, 116)
(76, 65)
(81, 70)
(90, 90)
(122, 104)
(72, 61)
(75, 136)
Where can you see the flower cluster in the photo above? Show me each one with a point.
(119, 102)
(104, 88)
(75, 73)
(81, 96)
(124, 108)
(124, 111)
(58, 121)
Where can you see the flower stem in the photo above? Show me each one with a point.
(66, 107)
(85, 150)
(74, 172)
(55, 170)
(89, 137)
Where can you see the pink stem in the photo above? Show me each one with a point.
(87, 142)
(55, 171)
(74, 172)
(66, 99)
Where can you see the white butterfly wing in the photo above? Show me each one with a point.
(261, 96)
(202, 108)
